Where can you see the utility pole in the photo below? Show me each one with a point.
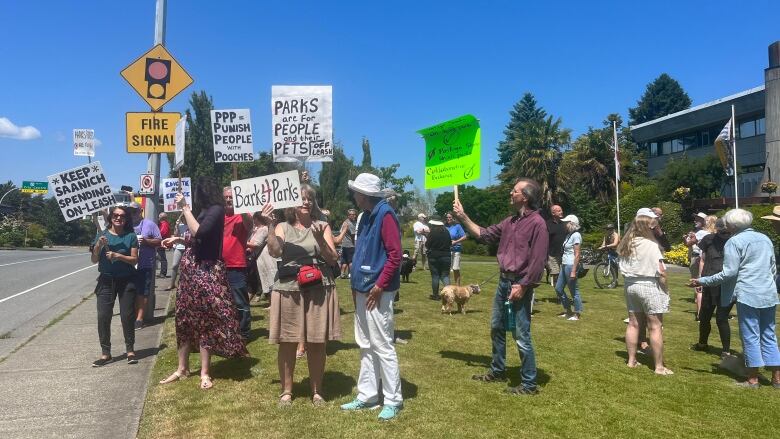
(153, 162)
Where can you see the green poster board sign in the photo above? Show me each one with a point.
(452, 152)
(35, 187)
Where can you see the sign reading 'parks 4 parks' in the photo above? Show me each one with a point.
(302, 119)
(452, 153)
(232, 131)
(282, 190)
(81, 191)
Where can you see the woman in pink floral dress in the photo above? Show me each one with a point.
(205, 313)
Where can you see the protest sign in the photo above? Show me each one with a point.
(179, 139)
(84, 142)
(232, 133)
(452, 152)
(282, 190)
(81, 191)
(170, 187)
(302, 123)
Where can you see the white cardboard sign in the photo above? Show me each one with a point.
(81, 191)
(179, 138)
(232, 134)
(84, 142)
(282, 190)
(302, 123)
(170, 187)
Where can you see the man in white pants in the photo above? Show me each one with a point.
(375, 279)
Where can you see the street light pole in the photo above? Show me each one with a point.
(3, 197)
(153, 162)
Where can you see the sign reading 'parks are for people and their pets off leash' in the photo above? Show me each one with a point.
(452, 152)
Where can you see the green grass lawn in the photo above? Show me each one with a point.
(585, 388)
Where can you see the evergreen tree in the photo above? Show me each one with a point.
(333, 179)
(662, 96)
(524, 111)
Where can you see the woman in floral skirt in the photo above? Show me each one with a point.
(205, 314)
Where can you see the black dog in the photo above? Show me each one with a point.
(407, 266)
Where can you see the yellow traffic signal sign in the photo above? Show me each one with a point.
(151, 132)
(157, 77)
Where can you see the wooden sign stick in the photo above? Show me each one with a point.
(456, 192)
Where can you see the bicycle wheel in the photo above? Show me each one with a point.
(604, 275)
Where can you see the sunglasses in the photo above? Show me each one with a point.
(116, 215)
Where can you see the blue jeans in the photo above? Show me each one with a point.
(759, 341)
(521, 334)
(238, 287)
(440, 272)
(574, 289)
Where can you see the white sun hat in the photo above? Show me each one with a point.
(367, 184)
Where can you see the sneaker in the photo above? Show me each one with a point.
(625, 320)
(488, 377)
(520, 390)
(747, 385)
(389, 412)
(563, 314)
(399, 340)
(699, 347)
(359, 405)
(101, 362)
(139, 324)
(574, 317)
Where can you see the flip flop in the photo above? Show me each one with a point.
(634, 365)
(664, 371)
(206, 382)
(175, 376)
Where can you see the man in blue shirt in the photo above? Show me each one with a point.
(457, 235)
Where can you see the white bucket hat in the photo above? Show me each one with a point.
(367, 184)
(571, 219)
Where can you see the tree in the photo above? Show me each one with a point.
(484, 206)
(662, 96)
(333, 180)
(537, 154)
(524, 111)
(366, 147)
(703, 175)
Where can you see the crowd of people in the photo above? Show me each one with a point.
(292, 258)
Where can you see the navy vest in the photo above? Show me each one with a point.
(370, 254)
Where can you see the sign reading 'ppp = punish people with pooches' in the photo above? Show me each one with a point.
(282, 190)
(232, 131)
(302, 123)
(170, 187)
(452, 152)
(81, 191)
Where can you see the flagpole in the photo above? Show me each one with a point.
(617, 174)
(734, 155)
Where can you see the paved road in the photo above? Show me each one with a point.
(38, 286)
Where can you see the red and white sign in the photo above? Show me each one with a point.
(146, 186)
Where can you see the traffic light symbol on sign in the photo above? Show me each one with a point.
(157, 76)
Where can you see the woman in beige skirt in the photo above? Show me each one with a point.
(307, 312)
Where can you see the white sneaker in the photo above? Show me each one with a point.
(573, 318)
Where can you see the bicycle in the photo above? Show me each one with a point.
(605, 273)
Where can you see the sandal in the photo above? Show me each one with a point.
(633, 365)
(285, 399)
(300, 354)
(175, 376)
(488, 377)
(206, 382)
(101, 361)
(664, 371)
(317, 399)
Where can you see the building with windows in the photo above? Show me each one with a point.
(693, 132)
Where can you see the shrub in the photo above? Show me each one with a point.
(472, 247)
(36, 235)
(678, 255)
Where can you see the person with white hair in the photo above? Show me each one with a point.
(421, 231)
(748, 278)
(569, 262)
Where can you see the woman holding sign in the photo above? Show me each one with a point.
(205, 315)
(116, 252)
(304, 304)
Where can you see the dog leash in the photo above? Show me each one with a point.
(489, 279)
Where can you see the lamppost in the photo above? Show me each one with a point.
(3, 197)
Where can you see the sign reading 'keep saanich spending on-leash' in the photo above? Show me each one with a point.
(452, 152)
(282, 190)
(81, 191)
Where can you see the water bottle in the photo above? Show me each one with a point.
(509, 317)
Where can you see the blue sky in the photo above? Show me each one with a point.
(395, 67)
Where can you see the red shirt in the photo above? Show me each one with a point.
(234, 237)
(165, 229)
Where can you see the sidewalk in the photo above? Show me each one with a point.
(49, 389)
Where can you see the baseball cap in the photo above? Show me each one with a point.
(646, 211)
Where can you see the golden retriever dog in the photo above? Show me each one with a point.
(455, 294)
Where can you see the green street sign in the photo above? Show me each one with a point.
(452, 152)
(35, 187)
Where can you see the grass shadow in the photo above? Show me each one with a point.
(645, 361)
(408, 389)
(236, 369)
(334, 346)
(513, 373)
(257, 333)
(405, 334)
(473, 360)
(335, 385)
